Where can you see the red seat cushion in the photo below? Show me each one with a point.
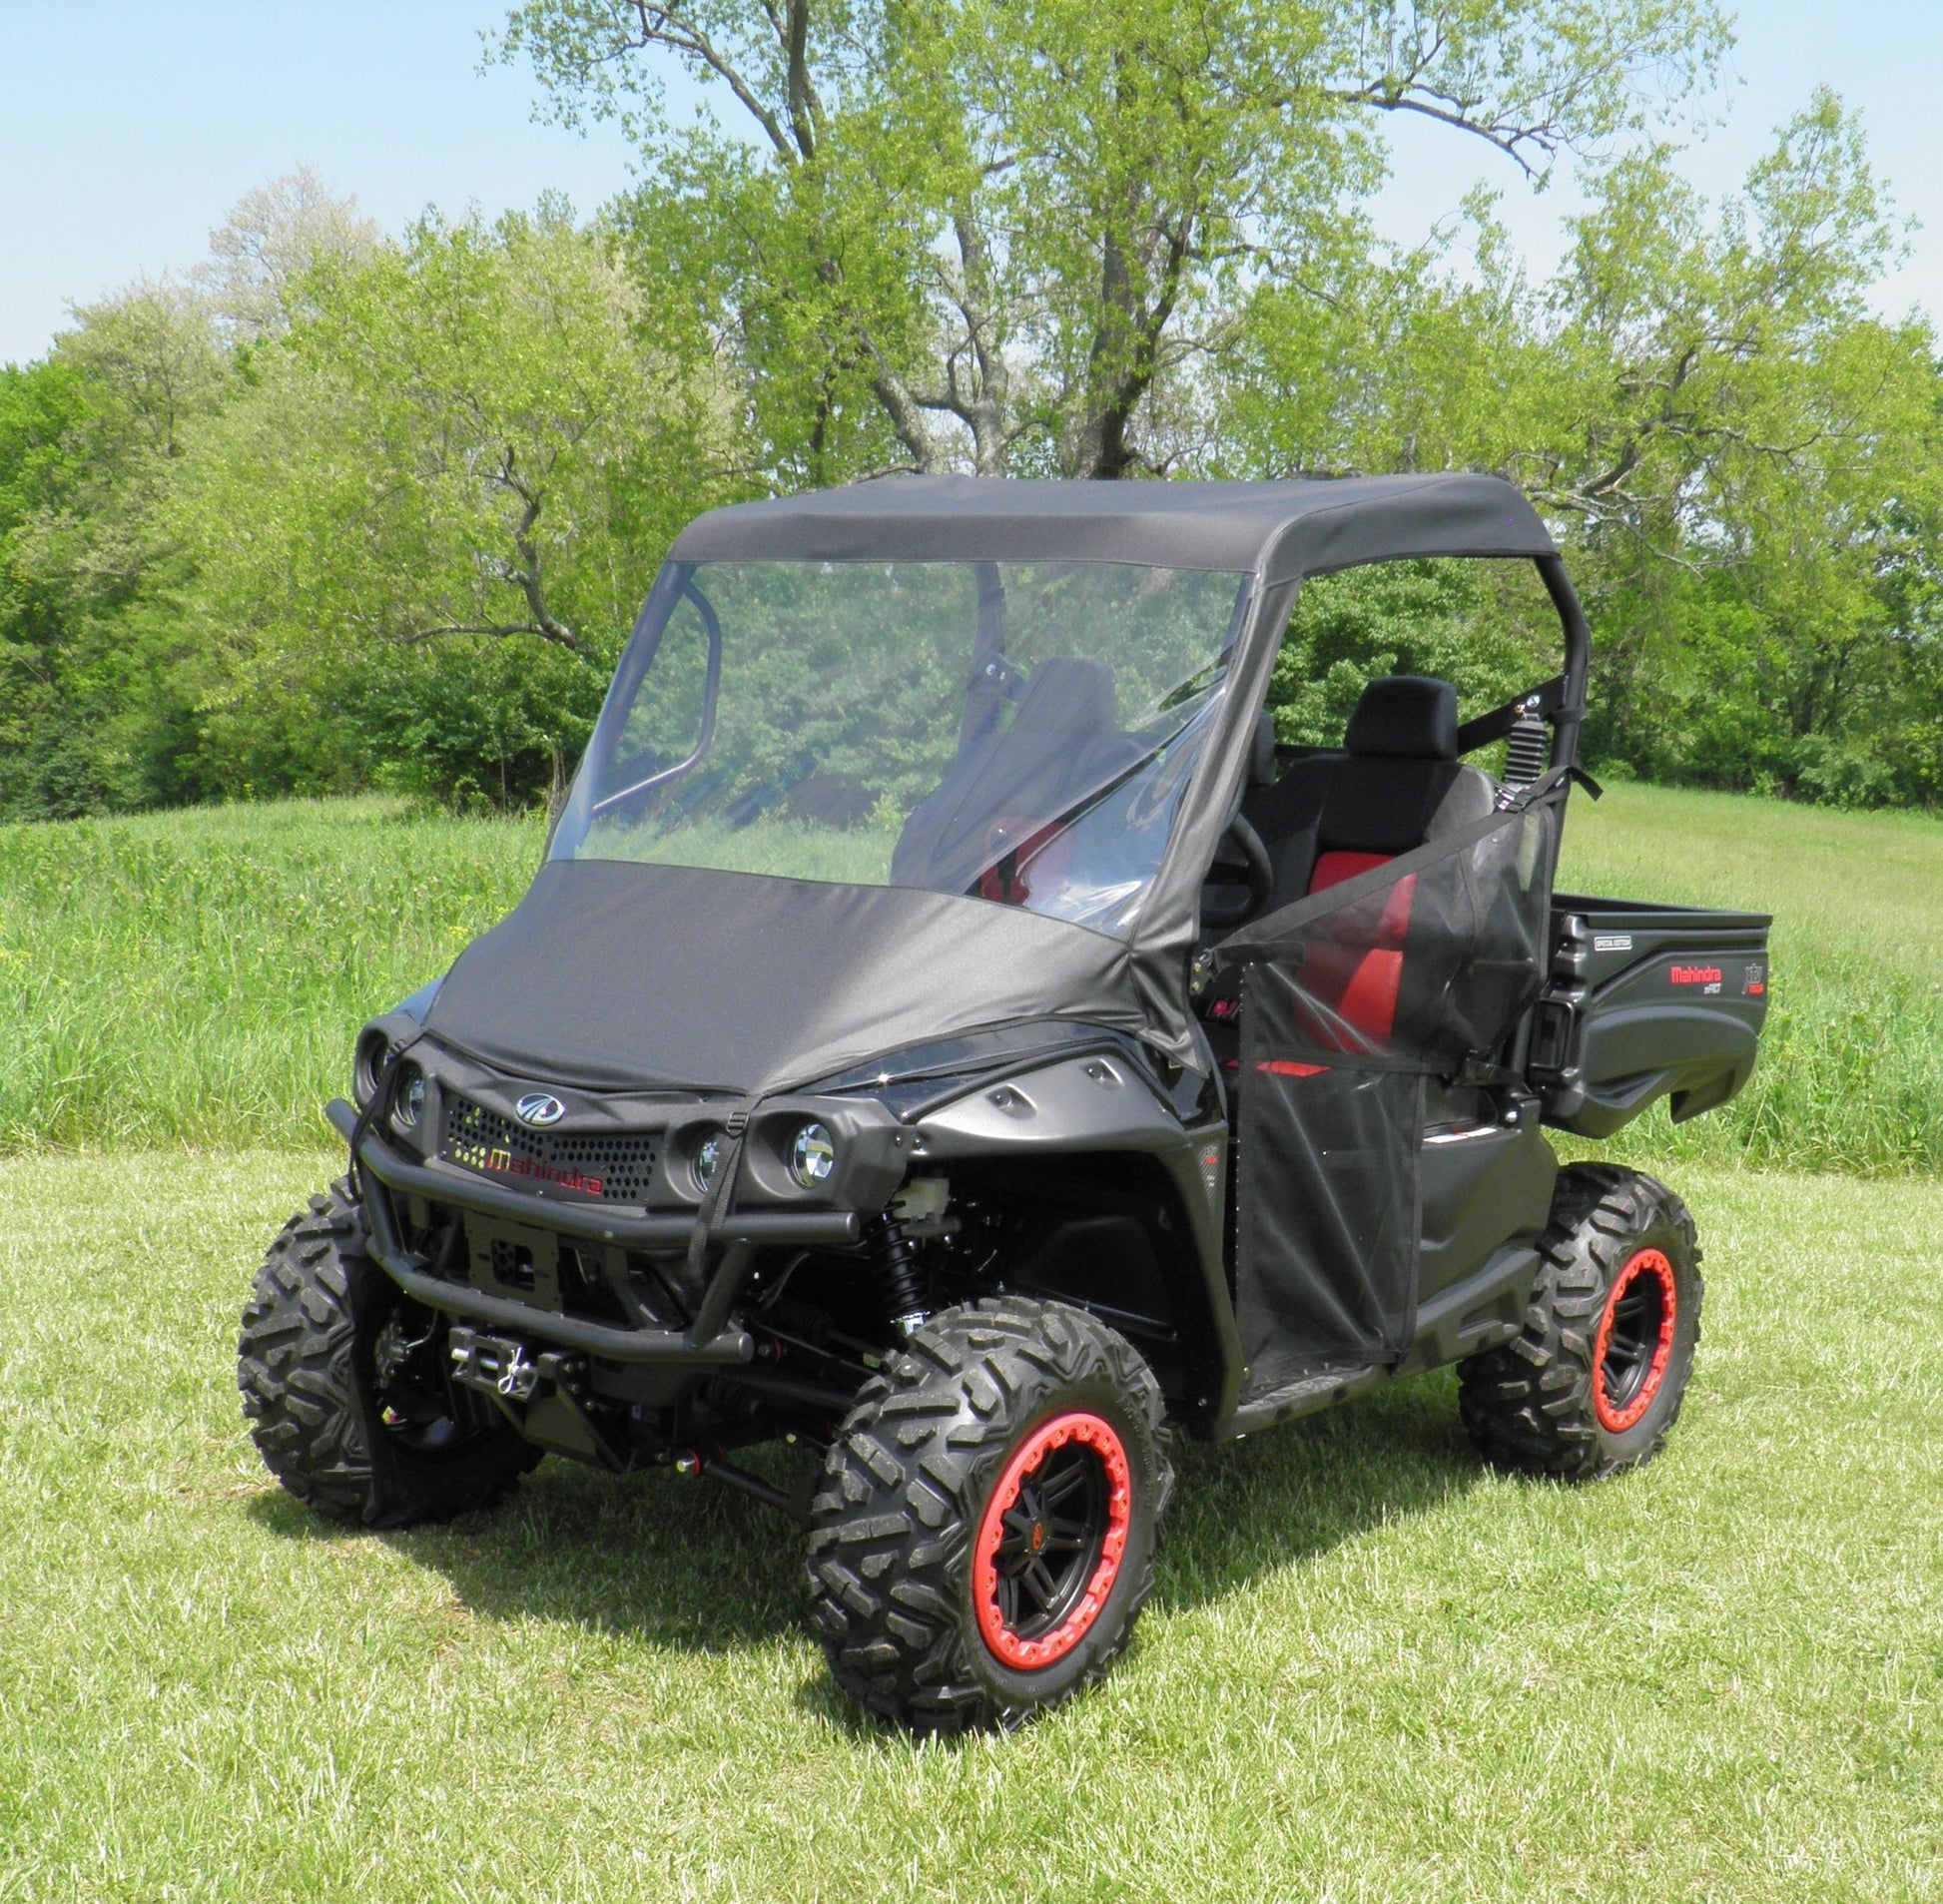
(1359, 983)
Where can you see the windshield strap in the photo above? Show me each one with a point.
(721, 1193)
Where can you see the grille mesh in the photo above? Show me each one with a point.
(477, 1138)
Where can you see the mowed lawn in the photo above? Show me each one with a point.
(1372, 1670)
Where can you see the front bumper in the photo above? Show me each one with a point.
(384, 1174)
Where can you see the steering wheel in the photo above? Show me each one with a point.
(1258, 878)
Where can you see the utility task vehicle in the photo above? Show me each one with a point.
(949, 1031)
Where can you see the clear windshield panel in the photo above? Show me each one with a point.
(1016, 732)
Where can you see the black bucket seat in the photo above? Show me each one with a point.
(1396, 783)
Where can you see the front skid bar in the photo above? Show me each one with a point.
(382, 1166)
(801, 1229)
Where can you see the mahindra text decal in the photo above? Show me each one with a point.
(502, 1163)
(1707, 977)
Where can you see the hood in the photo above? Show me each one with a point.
(614, 975)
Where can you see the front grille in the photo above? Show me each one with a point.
(617, 1169)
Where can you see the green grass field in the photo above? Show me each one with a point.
(197, 977)
(1372, 1671)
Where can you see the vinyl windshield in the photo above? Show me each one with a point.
(1021, 733)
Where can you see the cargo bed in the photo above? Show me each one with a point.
(1645, 1001)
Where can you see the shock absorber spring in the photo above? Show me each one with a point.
(899, 1277)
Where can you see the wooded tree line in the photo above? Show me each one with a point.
(334, 509)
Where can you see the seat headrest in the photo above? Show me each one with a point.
(1068, 695)
(1404, 717)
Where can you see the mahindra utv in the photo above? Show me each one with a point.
(948, 1032)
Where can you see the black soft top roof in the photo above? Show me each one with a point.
(1278, 529)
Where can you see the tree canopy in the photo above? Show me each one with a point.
(1020, 233)
(335, 508)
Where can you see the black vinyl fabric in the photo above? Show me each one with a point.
(1280, 530)
(1328, 1199)
(1352, 999)
(1464, 918)
(625, 976)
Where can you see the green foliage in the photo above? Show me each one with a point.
(1487, 626)
(1743, 464)
(1016, 232)
(335, 513)
(458, 470)
(196, 977)
(339, 514)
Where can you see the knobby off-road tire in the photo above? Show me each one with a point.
(1008, 1436)
(306, 1367)
(1596, 1379)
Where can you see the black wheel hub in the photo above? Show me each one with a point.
(1639, 1321)
(1051, 1541)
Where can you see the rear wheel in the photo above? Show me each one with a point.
(986, 1531)
(344, 1381)
(1597, 1378)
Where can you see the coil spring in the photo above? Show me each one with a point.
(900, 1278)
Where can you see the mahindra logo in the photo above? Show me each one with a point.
(537, 1108)
(1696, 974)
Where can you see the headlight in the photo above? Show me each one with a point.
(364, 1064)
(707, 1162)
(812, 1156)
(408, 1097)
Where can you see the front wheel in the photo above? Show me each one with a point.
(1597, 1378)
(345, 1385)
(986, 1531)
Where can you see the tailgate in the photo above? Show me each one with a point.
(1647, 1001)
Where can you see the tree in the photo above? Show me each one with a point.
(428, 527)
(997, 232)
(274, 235)
(1703, 404)
(85, 564)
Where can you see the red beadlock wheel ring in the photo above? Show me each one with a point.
(1075, 1462)
(1635, 1340)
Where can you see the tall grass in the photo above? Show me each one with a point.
(1851, 1068)
(197, 977)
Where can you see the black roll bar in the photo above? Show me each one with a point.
(1579, 653)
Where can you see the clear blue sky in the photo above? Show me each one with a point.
(126, 132)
